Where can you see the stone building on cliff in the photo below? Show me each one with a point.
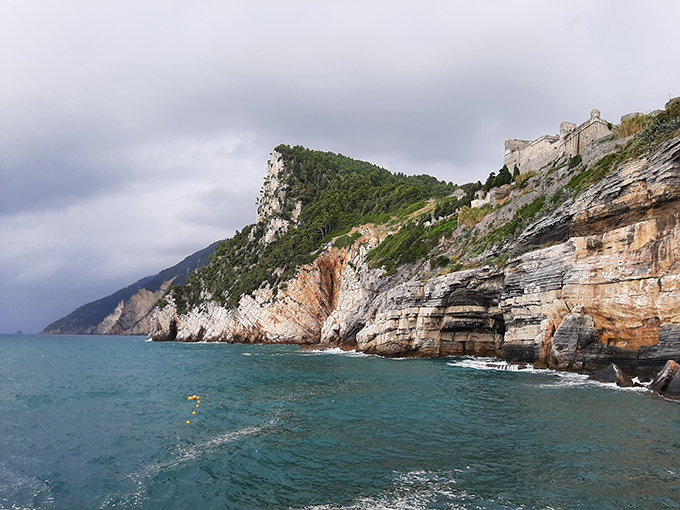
(573, 140)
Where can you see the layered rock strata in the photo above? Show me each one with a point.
(312, 306)
(606, 290)
(456, 314)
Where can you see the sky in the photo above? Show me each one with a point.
(133, 134)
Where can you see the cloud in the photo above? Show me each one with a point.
(133, 133)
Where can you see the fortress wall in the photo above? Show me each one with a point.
(597, 150)
(573, 140)
(533, 156)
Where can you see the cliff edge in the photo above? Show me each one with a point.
(569, 261)
(573, 266)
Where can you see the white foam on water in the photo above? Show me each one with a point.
(337, 351)
(572, 379)
(558, 379)
(493, 364)
(17, 483)
(419, 490)
(584, 381)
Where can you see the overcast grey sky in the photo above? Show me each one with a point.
(135, 133)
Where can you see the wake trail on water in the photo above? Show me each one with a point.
(184, 454)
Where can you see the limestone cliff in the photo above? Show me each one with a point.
(610, 296)
(126, 312)
(594, 278)
(131, 316)
(301, 313)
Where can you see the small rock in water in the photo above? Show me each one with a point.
(663, 380)
(612, 374)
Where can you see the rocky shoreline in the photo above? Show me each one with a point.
(604, 288)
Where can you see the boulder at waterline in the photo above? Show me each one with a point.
(612, 374)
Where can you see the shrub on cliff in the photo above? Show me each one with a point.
(414, 241)
(469, 216)
(504, 177)
(522, 218)
(631, 126)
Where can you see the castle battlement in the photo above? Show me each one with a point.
(573, 140)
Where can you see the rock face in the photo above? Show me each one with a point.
(313, 306)
(613, 374)
(130, 316)
(605, 290)
(126, 312)
(667, 381)
(612, 295)
(272, 201)
(455, 314)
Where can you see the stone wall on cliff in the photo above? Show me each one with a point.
(572, 140)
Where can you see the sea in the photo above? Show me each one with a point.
(92, 422)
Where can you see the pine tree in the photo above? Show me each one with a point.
(503, 177)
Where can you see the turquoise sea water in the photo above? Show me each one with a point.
(100, 422)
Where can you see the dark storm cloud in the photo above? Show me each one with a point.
(134, 133)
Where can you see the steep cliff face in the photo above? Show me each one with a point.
(611, 295)
(131, 316)
(126, 312)
(580, 304)
(270, 211)
(604, 287)
(455, 314)
(302, 312)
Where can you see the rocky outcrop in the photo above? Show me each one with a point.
(455, 314)
(270, 210)
(131, 316)
(605, 290)
(667, 381)
(613, 295)
(613, 374)
(312, 306)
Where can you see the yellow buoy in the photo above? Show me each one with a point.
(187, 422)
(194, 412)
(188, 398)
(196, 405)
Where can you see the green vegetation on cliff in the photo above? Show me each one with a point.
(336, 193)
(321, 197)
(414, 241)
